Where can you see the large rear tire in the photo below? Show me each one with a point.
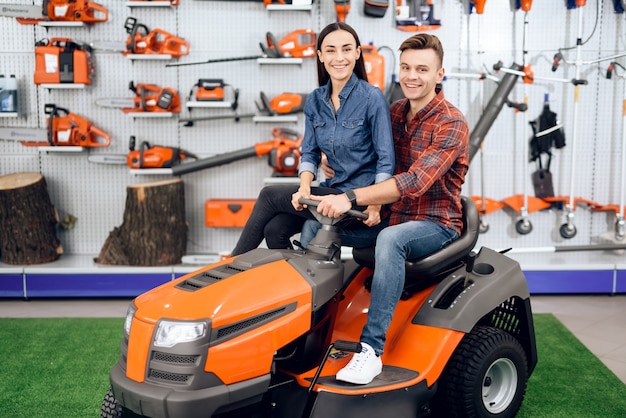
(485, 377)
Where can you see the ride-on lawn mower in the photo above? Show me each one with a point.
(264, 333)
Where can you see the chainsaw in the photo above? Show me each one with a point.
(416, 15)
(283, 155)
(143, 41)
(61, 60)
(56, 11)
(63, 129)
(155, 156)
(297, 44)
(148, 98)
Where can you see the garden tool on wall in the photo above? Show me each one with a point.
(63, 129)
(80, 11)
(297, 44)
(547, 133)
(283, 155)
(143, 41)
(416, 15)
(149, 98)
(568, 229)
(148, 156)
(342, 8)
(375, 8)
(61, 60)
(283, 104)
(619, 232)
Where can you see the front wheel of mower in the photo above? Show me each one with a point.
(112, 409)
(485, 377)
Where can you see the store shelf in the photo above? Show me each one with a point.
(80, 276)
(289, 7)
(218, 104)
(153, 3)
(66, 86)
(280, 61)
(274, 119)
(147, 57)
(8, 114)
(61, 24)
(60, 149)
(150, 115)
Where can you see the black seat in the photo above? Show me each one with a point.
(435, 265)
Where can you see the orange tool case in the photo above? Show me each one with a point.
(227, 213)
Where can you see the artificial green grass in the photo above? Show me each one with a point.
(56, 367)
(569, 381)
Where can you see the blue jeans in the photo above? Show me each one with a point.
(357, 235)
(394, 245)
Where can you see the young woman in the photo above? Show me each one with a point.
(347, 119)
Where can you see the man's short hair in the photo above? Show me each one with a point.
(424, 41)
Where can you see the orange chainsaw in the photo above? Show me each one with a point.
(148, 98)
(63, 129)
(56, 11)
(283, 155)
(155, 156)
(143, 41)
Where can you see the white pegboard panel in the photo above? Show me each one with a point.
(217, 29)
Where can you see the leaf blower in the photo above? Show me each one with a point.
(283, 155)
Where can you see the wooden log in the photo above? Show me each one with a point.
(153, 231)
(27, 220)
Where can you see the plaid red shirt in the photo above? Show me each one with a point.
(432, 157)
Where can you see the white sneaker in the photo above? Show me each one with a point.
(362, 368)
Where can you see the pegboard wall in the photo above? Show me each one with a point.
(95, 193)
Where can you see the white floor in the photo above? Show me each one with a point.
(599, 322)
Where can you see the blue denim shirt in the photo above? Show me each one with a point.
(357, 140)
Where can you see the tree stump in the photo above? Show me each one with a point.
(27, 220)
(153, 231)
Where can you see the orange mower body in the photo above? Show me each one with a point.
(263, 334)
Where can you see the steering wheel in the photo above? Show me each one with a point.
(326, 220)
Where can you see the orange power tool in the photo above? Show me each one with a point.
(61, 60)
(57, 11)
(142, 40)
(155, 156)
(63, 129)
(283, 155)
(148, 98)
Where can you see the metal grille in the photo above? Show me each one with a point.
(223, 332)
(169, 377)
(174, 358)
(507, 316)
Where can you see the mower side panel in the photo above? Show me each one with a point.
(495, 279)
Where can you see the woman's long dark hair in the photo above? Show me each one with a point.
(359, 67)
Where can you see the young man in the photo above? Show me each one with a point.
(431, 139)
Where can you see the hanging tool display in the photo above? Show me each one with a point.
(416, 15)
(342, 8)
(63, 129)
(568, 229)
(56, 11)
(479, 5)
(297, 44)
(143, 41)
(149, 98)
(61, 60)
(283, 155)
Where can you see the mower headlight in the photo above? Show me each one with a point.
(130, 314)
(170, 333)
